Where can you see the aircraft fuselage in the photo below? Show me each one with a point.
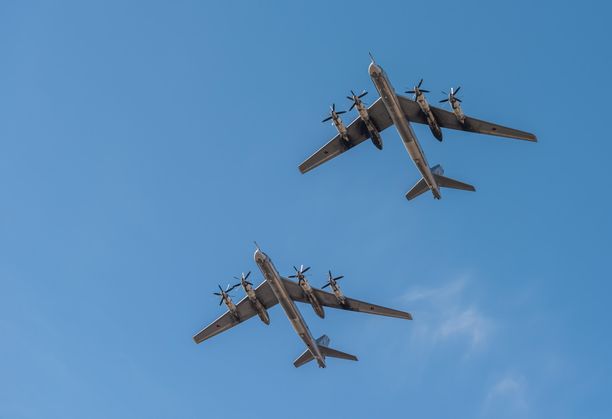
(293, 314)
(389, 98)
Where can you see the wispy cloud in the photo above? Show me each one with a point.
(507, 398)
(469, 322)
(443, 313)
(449, 290)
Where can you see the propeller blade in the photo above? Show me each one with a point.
(424, 91)
(352, 106)
(338, 277)
(420, 83)
(363, 94)
(412, 92)
(220, 287)
(350, 98)
(456, 90)
(333, 106)
(340, 113)
(216, 293)
(221, 302)
(327, 119)
(247, 275)
(292, 276)
(306, 270)
(326, 285)
(444, 100)
(458, 100)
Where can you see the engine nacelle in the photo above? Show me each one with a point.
(431, 119)
(231, 306)
(372, 130)
(455, 103)
(338, 292)
(341, 129)
(312, 298)
(457, 110)
(257, 305)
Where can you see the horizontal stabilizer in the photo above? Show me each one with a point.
(334, 353)
(303, 359)
(322, 343)
(418, 189)
(446, 182)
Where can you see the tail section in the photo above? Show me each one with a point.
(418, 189)
(442, 181)
(334, 353)
(322, 343)
(303, 359)
(447, 182)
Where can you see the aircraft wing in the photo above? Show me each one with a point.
(357, 133)
(245, 311)
(329, 300)
(447, 119)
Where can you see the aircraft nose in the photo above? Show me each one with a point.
(259, 255)
(374, 69)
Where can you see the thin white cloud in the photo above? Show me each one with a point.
(470, 323)
(443, 313)
(507, 398)
(446, 291)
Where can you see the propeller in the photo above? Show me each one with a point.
(355, 97)
(332, 280)
(243, 278)
(451, 95)
(299, 273)
(333, 113)
(224, 293)
(416, 91)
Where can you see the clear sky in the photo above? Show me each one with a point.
(145, 145)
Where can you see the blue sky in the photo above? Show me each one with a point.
(145, 145)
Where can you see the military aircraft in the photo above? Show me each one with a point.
(393, 109)
(277, 289)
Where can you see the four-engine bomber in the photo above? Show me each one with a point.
(393, 109)
(279, 290)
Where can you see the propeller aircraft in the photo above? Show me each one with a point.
(276, 289)
(394, 109)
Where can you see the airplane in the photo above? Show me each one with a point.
(394, 109)
(276, 289)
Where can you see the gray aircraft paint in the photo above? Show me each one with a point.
(389, 98)
(293, 314)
